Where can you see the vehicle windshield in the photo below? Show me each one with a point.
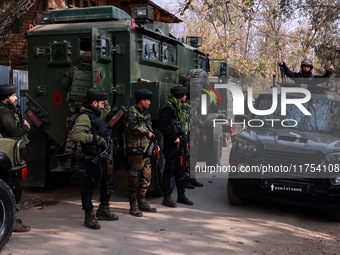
(325, 114)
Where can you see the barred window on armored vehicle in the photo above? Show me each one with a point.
(169, 54)
(60, 53)
(150, 49)
(105, 48)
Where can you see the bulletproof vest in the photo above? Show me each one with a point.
(98, 127)
(81, 83)
(178, 126)
(139, 141)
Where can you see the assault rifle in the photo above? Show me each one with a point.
(180, 151)
(108, 154)
(153, 148)
(18, 111)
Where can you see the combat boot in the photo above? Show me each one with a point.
(194, 182)
(187, 184)
(184, 200)
(134, 211)
(144, 206)
(167, 201)
(90, 221)
(103, 213)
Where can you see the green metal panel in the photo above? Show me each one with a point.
(86, 14)
(102, 58)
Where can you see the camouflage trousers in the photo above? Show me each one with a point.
(139, 175)
(72, 147)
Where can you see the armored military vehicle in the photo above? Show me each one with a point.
(13, 172)
(293, 157)
(127, 54)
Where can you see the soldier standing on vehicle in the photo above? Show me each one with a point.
(91, 130)
(13, 126)
(76, 80)
(173, 125)
(138, 133)
(306, 72)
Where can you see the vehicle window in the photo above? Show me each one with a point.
(58, 52)
(150, 49)
(325, 114)
(169, 54)
(105, 48)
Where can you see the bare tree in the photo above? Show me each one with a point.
(11, 10)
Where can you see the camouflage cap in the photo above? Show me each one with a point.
(85, 56)
(307, 62)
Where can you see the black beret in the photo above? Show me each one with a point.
(143, 94)
(7, 89)
(96, 95)
(179, 90)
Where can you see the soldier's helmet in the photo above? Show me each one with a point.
(307, 62)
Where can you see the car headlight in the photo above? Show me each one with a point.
(248, 148)
(333, 158)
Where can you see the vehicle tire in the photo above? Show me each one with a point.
(196, 77)
(157, 166)
(233, 197)
(7, 213)
(214, 145)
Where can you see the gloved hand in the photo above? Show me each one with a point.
(101, 141)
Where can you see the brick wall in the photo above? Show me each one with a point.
(14, 52)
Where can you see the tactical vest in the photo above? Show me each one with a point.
(81, 83)
(139, 141)
(98, 127)
(178, 126)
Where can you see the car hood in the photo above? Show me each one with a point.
(288, 137)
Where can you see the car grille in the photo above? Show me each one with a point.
(276, 156)
(287, 156)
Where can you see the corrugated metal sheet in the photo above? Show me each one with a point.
(20, 78)
(4, 74)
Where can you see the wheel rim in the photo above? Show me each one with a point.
(2, 216)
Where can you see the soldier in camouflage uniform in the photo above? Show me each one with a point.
(76, 80)
(12, 126)
(138, 133)
(174, 126)
(91, 130)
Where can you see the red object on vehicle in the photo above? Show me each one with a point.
(133, 24)
(140, 80)
(24, 173)
(98, 76)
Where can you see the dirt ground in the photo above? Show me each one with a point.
(211, 226)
